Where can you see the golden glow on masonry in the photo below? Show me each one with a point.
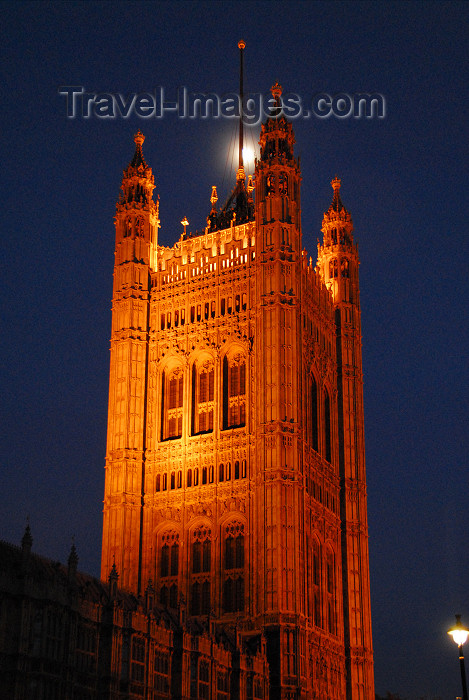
(235, 474)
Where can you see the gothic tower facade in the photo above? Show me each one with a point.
(235, 477)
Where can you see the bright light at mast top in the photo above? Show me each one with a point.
(459, 633)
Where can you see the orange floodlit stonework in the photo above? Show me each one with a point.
(235, 470)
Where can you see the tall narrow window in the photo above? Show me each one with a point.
(234, 391)
(270, 184)
(330, 592)
(314, 415)
(327, 426)
(316, 583)
(128, 227)
(203, 384)
(233, 568)
(200, 571)
(283, 184)
(169, 568)
(204, 681)
(139, 228)
(173, 394)
(333, 268)
(138, 661)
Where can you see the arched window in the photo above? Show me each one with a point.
(174, 558)
(128, 227)
(139, 228)
(173, 596)
(333, 268)
(316, 583)
(169, 568)
(234, 391)
(164, 561)
(195, 598)
(173, 394)
(314, 432)
(164, 596)
(270, 184)
(189, 478)
(196, 557)
(327, 426)
(203, 382)
(233, 567)
(200, 571)
(221, 472)
(344, 268)
(283, 184)
(330, 592)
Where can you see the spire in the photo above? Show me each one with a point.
(27, 540)
(214, 199)
(138, 161)
(277, 137)
(336, 205)
(73, 558)
(72, 564)
(240, 174)
(338, 254)
(239, 207)
(337, 225)
(276, 91)
(113, 578)
(149, 595)
(26, 544)
(138, 182)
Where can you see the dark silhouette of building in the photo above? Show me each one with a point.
(65, 635)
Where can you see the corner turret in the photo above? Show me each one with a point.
(277, 181)
(338, 255)
(137, 215)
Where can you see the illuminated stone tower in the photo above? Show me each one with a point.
(136, 236)
(338, 264)
(235, 477)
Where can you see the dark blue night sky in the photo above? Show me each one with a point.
(404, 179)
